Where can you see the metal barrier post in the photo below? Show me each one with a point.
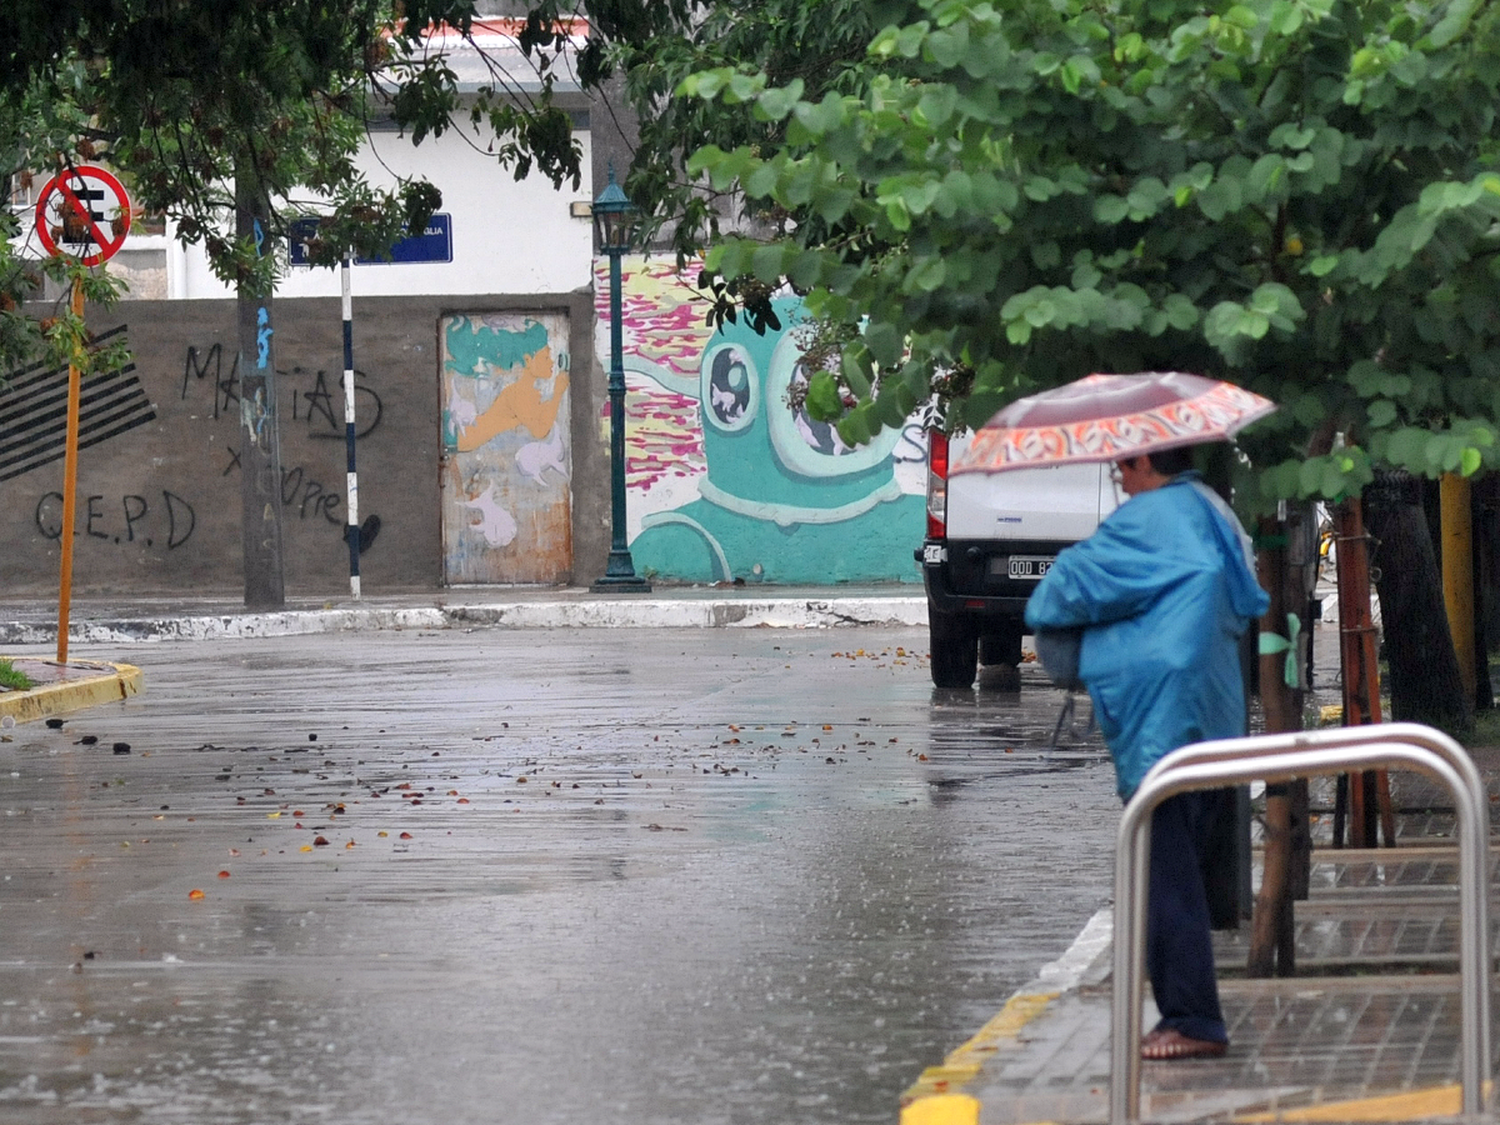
(1414, 734)
(1282, 757)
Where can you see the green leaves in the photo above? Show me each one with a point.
(1332, 476)
(824, 402)
(1230, 324)
(1463, 448)
(1136, 186)
(1061, 308)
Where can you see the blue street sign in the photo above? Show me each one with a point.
(435, 244)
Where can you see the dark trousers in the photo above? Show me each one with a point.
(1179, 952)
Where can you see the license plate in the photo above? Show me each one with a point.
(1029, 567)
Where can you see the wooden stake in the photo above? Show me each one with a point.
(1361, 673)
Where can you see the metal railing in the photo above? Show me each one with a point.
(1282, 757)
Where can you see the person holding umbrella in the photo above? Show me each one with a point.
(1162, 593)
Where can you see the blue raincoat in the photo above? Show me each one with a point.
(1165, 587)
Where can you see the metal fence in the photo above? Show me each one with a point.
(1282, 757)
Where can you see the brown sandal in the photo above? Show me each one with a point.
(1167, 1043)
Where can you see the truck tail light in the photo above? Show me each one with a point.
(937, 484)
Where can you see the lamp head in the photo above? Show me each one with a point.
(614, 218)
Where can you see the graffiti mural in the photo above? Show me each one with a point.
(34, 416)
(506, 465)
(726, 481)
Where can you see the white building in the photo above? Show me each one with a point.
(504, 235)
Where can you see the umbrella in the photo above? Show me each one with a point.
(1111, 417)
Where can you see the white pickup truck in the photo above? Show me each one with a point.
(990, 538)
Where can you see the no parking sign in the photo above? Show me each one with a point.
(83, 213)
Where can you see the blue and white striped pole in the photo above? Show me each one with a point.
(351, 532)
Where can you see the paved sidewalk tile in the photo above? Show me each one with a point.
(1369, 1030)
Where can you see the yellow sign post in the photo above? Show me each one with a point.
(70, 491)
(72, 212)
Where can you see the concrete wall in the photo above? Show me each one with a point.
(159, 482)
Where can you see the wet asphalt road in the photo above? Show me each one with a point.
(677, 876)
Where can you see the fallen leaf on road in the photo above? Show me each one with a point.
(320, 841)
(404, 836)
(223, 874)
(195, 893)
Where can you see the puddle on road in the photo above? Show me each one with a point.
(742, 892)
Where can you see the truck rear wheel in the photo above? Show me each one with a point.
(1000, 653)
(1001, 647)
(955, 650)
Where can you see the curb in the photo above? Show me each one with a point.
(939, 1097)
(784, 613)
(111, 683)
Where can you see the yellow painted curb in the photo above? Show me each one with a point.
(1412, 1105)
(113, 682)
(942, 1109)
(963, 1064)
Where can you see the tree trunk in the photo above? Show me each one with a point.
(260, 439)
(1425, 683)
(1487, 616)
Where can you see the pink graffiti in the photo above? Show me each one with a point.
(662, 325)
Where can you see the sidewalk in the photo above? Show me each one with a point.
(60, 689)
(1367, 1031)
(128, 620)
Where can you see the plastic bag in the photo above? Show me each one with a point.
(1058, 650)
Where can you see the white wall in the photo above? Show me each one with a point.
(508, 236)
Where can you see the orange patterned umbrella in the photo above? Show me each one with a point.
(1110, 417)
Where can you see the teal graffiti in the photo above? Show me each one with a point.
(782, 499)
(263, 337)
(475, 349)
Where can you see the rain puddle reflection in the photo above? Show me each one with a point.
(761, 878)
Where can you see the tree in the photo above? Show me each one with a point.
(819, 43)
(1299, 195)
(234, 118)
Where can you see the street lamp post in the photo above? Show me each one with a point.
(613, 215)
